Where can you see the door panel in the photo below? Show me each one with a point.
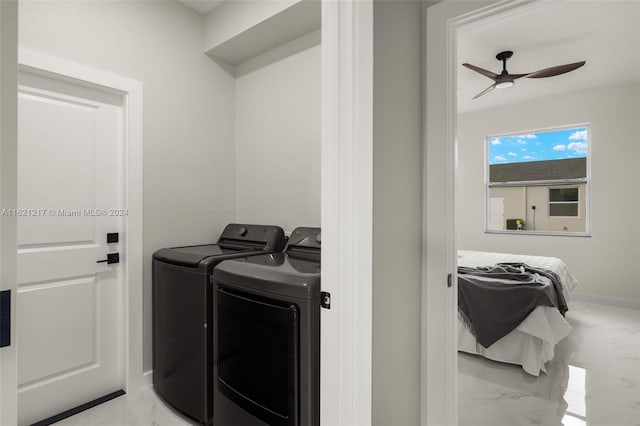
(62, 261)
(74, 327)
(49, 171)
(69, 331)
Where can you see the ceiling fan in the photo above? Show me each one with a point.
(504, 79)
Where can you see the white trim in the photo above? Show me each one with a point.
(550, 183)
(439, 303)
(347, 211)
(8, 199)
(605, 300)
(543, 233)
(539, 130)
(147, 379)
(438, 385)
(131, 241)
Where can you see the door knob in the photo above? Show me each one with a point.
(111, 258)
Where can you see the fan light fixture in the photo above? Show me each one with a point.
(504, 84)
(504, 79)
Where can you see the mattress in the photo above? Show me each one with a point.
(532, 344)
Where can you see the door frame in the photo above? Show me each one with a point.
(131, 239)
(8, 197)
(439, 375)
(347, 211)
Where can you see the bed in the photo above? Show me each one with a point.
(532, 343)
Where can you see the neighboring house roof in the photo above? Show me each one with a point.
(570, 168)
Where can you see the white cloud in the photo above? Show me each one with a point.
(524, 149)
(529, 136)
(500, 158)
(513, 154)
(528, 157)
(578, 147)
(521, 141)
(580, 135)
(559, 148)
(495, 141)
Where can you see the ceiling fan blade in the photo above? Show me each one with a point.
(482, 71)
(553, 71)
(485, 91)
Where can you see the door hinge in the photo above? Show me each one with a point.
(5, 318)
(325, 299)
(449, 280)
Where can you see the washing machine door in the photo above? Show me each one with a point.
(258, 355)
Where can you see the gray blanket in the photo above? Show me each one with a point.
(494, 300)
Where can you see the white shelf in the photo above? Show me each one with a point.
(289, 24)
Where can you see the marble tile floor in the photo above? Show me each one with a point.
(143, 408)
(593, 380)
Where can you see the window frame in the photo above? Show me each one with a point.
(550, 183)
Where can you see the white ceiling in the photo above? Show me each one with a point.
(606, 34)
(202, 6)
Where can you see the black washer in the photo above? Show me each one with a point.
(183, 314)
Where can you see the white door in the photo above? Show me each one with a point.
(69, 306)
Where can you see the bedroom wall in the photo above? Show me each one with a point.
(277, 136)
(188, 110)
(397, 213)
(605, 264)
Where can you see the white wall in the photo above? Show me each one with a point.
(277, 135)
(605, 264)
(397, 213)
(188, 110)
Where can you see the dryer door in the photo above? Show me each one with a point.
(258, 355)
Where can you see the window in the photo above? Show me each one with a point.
(563, 202)
(537, 181)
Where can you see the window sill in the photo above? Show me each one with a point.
(546, 233)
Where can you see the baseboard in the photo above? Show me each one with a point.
(147, 378)
(610, 301)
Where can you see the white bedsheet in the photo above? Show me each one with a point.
(532, 343)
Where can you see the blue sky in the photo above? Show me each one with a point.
(539, 146)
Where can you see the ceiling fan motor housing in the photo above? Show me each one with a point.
(502, 56)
